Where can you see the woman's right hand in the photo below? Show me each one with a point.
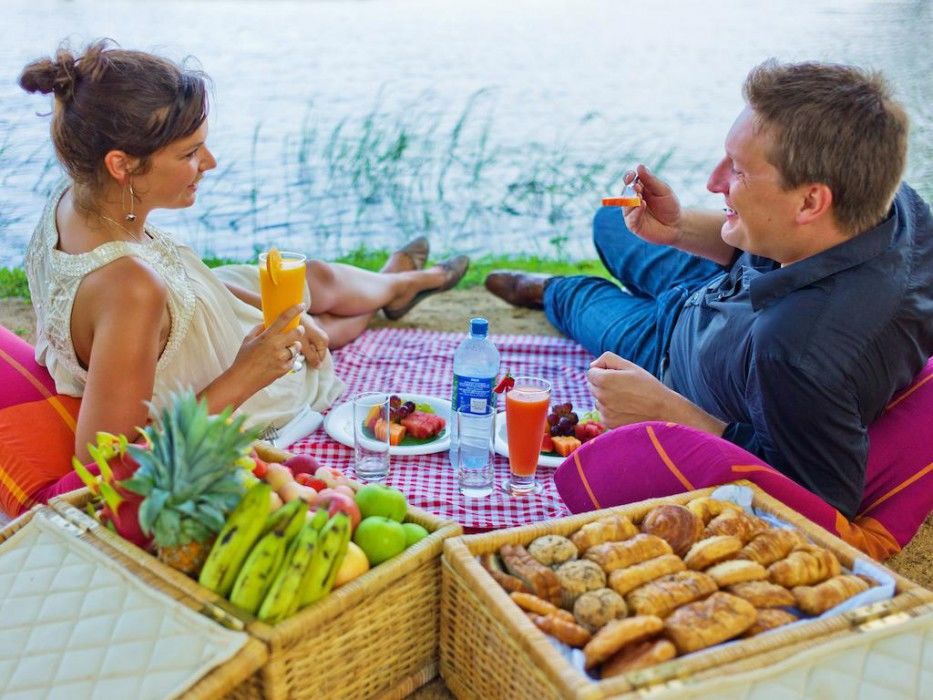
(267, 353)
(657, 219)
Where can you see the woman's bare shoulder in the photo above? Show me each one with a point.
(127, 283)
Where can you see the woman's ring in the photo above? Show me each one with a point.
(293, 351)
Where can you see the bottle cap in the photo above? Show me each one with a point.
(479, 326)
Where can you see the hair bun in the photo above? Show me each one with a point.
(46, 75)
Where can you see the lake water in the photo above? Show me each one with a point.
(490, 125)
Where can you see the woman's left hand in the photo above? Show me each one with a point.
(313, 342)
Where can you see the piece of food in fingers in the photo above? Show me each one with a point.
(661, 596)
(612, 528)
(532, 603)
(616, 634)
(712, 550)
(677, 525)
(594, 609)
(737, 571)
(769, 619)
(638, 655)
(628, 579)
(705, 623)
(568, 632)
(815, 600)
(763, 594)
(617, 555)
(542, 581)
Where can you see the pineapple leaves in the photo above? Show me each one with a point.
(150, 509)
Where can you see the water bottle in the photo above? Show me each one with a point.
(476, 364)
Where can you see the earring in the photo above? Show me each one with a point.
(130, 215)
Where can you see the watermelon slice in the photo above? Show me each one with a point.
(422, 425)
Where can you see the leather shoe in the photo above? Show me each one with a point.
(518, 288)
(412, 256)
(454, 269)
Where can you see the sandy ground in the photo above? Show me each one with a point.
(449, 312)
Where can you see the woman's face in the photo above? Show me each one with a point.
(175, 170)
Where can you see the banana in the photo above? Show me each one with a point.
(283, 597)
(265, 558)
(243, 527)
(285, 514)
(327, 559)
(319, 519)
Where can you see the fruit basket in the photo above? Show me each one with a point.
(490, 647)
(376, 636)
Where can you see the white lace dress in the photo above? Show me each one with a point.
(208, 322)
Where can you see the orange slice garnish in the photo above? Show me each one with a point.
(273, 264)
(632, 201)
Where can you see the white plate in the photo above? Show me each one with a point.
(339, 425)
(502, 445)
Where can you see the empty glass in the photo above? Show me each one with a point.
(371, 436)
(475, 467)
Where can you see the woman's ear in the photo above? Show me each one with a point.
(120, 166)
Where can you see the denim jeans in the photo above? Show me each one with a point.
(636, 322)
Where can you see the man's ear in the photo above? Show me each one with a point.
(120, 166)
(816, 202)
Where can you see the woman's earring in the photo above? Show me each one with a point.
(130, 215)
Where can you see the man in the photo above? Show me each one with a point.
(785, 323)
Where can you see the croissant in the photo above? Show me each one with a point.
(771, 545)
(612, 528)
(568, 632)
(736, 523)
(737, 571)
(661, 596)
(815, 600)
(541, 580)
(711, 551)
(631, 577)
(617, 555)
(679, 527)
(616, 634)
(762, 594)
(804, 567)
(639, 655)
(711, 621)
(534, 604)
(769, 619)
(707, 508)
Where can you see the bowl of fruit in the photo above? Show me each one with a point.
(564, 432)
(417, 424)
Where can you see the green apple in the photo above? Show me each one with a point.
(376, 499)
(380, 538)
(413, 533)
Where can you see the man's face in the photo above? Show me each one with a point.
(759, 214)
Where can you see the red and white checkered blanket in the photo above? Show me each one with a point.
(414, 361)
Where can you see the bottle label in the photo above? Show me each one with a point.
(474, 393)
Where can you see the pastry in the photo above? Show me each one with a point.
(815, 600)
(712, 550)
(768, 619)
(534, 604)
(679, 527)
(631, 577)
(707, 508)
(763, 594)
(617, 555)
(566, 631)
(708, 622)
(804, 567)
(539, 579)
(577, 577)
(552, 550)
(661, 596)
(594, 609)
(737, 523)
(612, 528)
(493, 566)
(772, 544)
(638, 655)
(737, 571)
(616, 634)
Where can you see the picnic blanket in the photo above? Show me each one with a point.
(421, 362)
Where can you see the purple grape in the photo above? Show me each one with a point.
(403, 411)
(555, 431)
(410, 405)
(573, 417)
(393, 415)
(565, 426)
(552, 419)
(394, 401)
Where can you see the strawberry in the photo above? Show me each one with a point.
(259, 471)
(506, 383)
(580, 432)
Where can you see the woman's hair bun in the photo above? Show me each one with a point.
(59, 75)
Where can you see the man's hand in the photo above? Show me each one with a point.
(657, 220)
(624, 393)
(314, 341)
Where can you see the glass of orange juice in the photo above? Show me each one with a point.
(282, 284)
(526, 407)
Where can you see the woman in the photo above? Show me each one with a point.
(126, 315)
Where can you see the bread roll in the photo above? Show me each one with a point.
(763, 594)
(628, 579)
(676, 525)
(737, 523)
(616, 634)
(815, 600)
(771, 545)
(804, 567)
(539, 579)
(552, 550)
(737, 571)
(708, 622)
(661, 596)
(712, 550)
(576, 578)
(769, 619)
(617, 555)
(612, 528)
(594, 609)
(707, 508)
(638, 655)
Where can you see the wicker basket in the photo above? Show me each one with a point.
(489, 648)
(376, 636)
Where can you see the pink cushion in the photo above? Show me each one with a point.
(648, 460)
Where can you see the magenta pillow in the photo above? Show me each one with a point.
(654, 459)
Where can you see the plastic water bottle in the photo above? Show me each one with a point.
(476, 364)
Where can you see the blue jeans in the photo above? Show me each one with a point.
(636, 322)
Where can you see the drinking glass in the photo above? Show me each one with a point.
(281, 289)
(475, 468)
(371, 436)
(526, 408)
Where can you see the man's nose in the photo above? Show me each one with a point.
(715, 183)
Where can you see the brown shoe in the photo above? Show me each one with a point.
(412, 256)
(518, 288)
(455, 268)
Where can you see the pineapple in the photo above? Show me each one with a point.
(188, 478)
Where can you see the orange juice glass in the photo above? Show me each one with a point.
(282, 284)
(526, 407)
